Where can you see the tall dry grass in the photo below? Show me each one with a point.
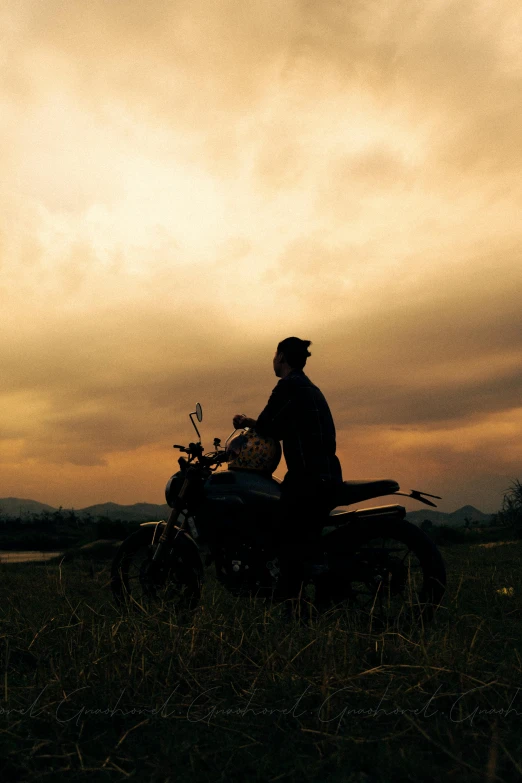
(92, 692)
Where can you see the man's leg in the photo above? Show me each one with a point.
(290, 575)
(300, 523)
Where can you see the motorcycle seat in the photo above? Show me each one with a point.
(355, 491)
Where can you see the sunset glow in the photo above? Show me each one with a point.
(185, 184)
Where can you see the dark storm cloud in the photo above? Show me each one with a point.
(433, 358)
(108, 384)
(448, 348)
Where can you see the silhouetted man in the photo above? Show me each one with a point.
(298, 414)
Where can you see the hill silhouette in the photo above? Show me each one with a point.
(138, 512)
(454, 519)
(14, 507)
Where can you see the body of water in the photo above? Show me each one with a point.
(25, 557)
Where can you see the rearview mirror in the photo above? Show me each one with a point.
(199, 414)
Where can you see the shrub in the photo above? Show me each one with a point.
(511, 513)
(445, 535)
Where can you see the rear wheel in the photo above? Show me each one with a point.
(387, 572)
(137, 579)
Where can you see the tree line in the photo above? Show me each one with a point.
(58, 529)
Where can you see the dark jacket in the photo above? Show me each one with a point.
(298, 414)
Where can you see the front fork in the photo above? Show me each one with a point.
(164, 538)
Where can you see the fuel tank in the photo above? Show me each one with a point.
(242, 488)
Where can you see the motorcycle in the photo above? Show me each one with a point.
(373, 559)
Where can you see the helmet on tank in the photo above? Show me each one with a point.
(251, 451)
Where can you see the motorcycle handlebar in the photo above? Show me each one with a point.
(218, 457)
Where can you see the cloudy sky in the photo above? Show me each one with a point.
(185, 183)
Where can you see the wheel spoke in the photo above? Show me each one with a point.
(395, 579)
(179, 583)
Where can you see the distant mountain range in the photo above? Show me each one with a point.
(138, 512)
(18, 507)
(454, 519)
(145, 512)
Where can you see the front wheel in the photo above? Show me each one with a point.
(136, 578)
(388, 571)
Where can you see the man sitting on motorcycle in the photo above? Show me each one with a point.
(297, 413)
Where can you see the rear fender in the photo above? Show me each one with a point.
(351, 527)
(393, 511)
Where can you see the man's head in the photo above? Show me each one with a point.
(291, 354)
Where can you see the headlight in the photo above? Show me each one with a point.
(173, 487)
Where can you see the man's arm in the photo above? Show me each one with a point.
(271, 419)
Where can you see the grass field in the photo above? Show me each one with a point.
(91, 693)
